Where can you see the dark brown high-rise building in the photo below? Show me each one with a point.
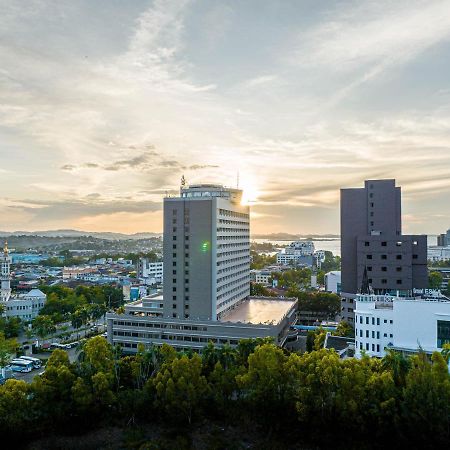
(372, 243)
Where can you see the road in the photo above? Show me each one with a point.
(28, 377)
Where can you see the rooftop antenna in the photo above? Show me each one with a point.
(183, 182)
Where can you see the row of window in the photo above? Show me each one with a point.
(231, 262)
(239, 281)
(231, 276)
(375, 334)
(385, 257)
(233, 268)
(384, 243)
(237, 291)
(204, 340)
(160, 325)
(228, 213)
(373, 320)
(230, 253)
(377, 347)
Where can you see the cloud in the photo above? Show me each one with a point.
(91, 205)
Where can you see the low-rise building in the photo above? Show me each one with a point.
(260, 276)
(333, 281)
(150, 272)
(255, 317)
(406, 324)
(24, 306)
(437, 254)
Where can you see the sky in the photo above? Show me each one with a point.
(105, 105)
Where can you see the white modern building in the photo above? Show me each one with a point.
(150, 272)
(297, 253)
(438, 253)
(24, 306)
(333, 281)
(260, 276)
(400, 323)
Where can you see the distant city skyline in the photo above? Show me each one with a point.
(105, 105)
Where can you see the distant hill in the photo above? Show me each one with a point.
(77, 233)
(294, 237)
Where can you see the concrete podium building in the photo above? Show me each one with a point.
(206, 280)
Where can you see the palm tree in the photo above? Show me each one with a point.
(398, 364)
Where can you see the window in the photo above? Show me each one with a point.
(174, 280)
(373, 334)
(369, 268)
(378, 348)
(186, 289)
(384, 244)
(373, 347)
(174, 255)
(186, 238)
(414, 242)
(371, 204)
(173, 315)
(360, 333)
(367, 244)
(174, 212)
(174, 263)
(174, 306)
(391, 335)
(371, 195)
(371, 214)
(384, 281)
(186, 306)
(383, 256)
(367, 346)
(174, 221)
(174, 272)
(174, 238)
(399, 281)
(186, 246)
(360, 319)
(371, 224)
(385, 335)
(186, 264)
(367, 333)
(384, 269)
(398, 269)
(174, 229)
(378, 335)
(369, 256)
(367, 321)
(391, 321)
(370, 280)
(385, 321)
(398, 244)
(415, 256)
(443, 333)
(174, 297)
(186, 298)
(373, 320)
(186, 280)
(186, 255)
(174, 289)
(378, 321)
(399, 256)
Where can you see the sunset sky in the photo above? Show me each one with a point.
(105, 104)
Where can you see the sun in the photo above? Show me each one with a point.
(250, 191)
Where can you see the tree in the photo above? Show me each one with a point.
(344, 329)
(43, 326)
(181, 387)
(434, 280)
(264, 382)
(7, 350)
